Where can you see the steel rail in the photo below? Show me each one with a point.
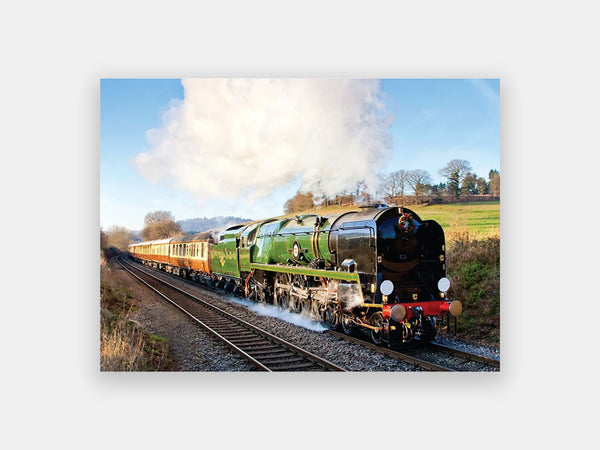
(261, 351)
(465, 355)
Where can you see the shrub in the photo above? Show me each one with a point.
(474, 268)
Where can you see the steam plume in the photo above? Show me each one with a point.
(244, 138)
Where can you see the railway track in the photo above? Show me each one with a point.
(420, 363)
(464, 357)
(426, 356)
(266, 351)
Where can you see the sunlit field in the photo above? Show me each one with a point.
(477, 219)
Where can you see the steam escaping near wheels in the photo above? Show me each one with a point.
(268, 310)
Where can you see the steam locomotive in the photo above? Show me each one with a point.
(380, 269)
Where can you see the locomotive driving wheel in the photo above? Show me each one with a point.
(281, 292)
(300, 301)
(376, 321)
(328, 317)
(347, 324)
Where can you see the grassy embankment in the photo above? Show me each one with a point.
(473, 252)
(124, 345)
(473, 262)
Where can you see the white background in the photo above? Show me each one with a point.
(55, 53)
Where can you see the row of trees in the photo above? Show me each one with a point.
(157, 225)
(395, 187)
(461, 181)
(417, 183)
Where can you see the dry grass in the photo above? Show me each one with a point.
(121, 347)
(124, 345)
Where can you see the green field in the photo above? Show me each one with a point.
(478, 218)
(475, 217)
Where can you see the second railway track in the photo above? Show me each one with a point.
(426, 356)
(266, 351)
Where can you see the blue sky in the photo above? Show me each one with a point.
(434, 121)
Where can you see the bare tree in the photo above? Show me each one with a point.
(456, 166)
(455, 171)
(418, 180)
(299, 202)
(394, 184)
(119, 237)
(158, 216)
(160, 225)
(103, 240)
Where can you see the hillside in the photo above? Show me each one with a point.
(208, 223)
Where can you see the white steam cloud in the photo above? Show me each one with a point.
(264, 309)
(244, 138)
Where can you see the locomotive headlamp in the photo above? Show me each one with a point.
(444, 284)
(398, 313)
(386, 287)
